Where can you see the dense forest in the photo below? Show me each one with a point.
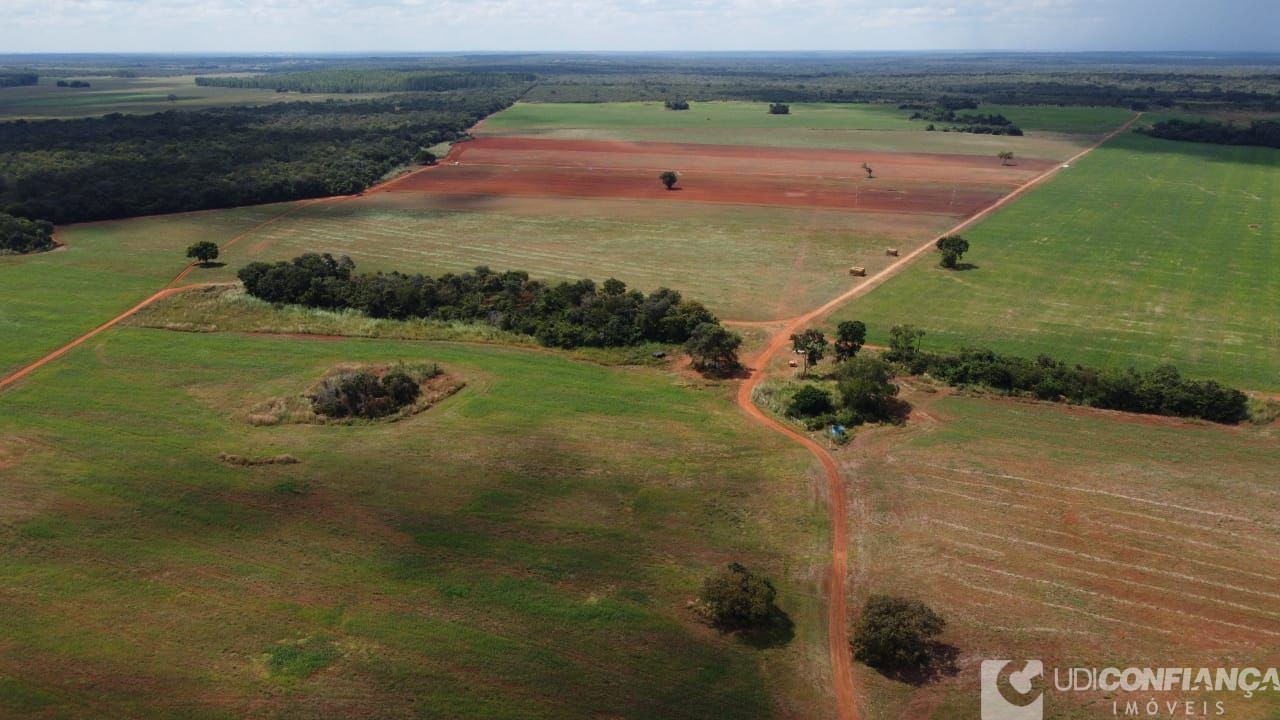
(1261, 133)
(19, 235)
(18, 79)
(368, 81)
(570, 314)
(126, 165)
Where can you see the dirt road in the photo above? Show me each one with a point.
(843, 678)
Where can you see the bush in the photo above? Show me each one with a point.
(810, 401)
(734, 597)
(895, 634)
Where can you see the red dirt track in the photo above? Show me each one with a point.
(908, 183)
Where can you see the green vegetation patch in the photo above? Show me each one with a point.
(1146, 252)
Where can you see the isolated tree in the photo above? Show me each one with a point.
(870, 173)
(172, 98)
(810, 401)
(669, 178)
(812, 345)
(677, 104)
(904, 343)
(1006, 156)
(734, 597)
(203, 251)
(895, 634)
(851, 335)
(779, 109)
(952, 247)
(866, 389)
(713, 349)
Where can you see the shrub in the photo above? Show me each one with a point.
(895, 634)
(810, 401)
(734, 597)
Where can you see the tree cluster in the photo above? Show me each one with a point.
(19, 235)
(369, 81)
(73, 84)
(570, 314)
(18, 79)
(779, 109)
(365, 395)
(1260, 133)
(126, 165)
(678, 104)
(980, 123)
(1159, 391)
(865, 384)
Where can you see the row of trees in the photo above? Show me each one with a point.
(1159, 391)
(18, 79)
(569, 314)
(19, 235)
(126, 165)
(1261, 133)
(369, 81)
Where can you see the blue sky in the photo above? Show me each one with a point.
(448, 25)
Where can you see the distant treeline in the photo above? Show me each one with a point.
(570, 314)
(18, 79)
(1261, 133)
(979, 123)
(1161, 391)
(73, 84)
(125, 165)
(366, 81)
(19, 235)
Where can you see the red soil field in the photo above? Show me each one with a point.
(948, 184)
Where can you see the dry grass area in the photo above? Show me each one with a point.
(1083, 538)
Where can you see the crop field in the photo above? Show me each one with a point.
(1147, 252)
(131, 96)
(49, 299)
(1082, 538)
(524, 549)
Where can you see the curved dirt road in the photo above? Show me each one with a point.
(837, 607)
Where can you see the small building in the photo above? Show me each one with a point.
(858, 271)
(891, 252)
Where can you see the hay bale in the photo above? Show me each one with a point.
(891, 252)
(858, 271)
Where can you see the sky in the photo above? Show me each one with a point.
(630, 25)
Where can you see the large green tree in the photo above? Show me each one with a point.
(866, 389)
(851, 335)
(952, 247)
(895, 634)
(811, 345)
(735, 597)
(713, 349)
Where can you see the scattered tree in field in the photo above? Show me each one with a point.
(895, 634)
(904, 343)
(713, 349)
(425, 157)
(669, 179)
(1006, 157)
(851, 335)
(203, 251)
(952, 247)
(172, 98)
(812, 345)
(779, 109)
(866, 389)
(810, 401)
(734, 597)
(870, 173)
(678, 104)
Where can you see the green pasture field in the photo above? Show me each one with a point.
(133, 96)
(1146, 252)
(49, 299)
(525, 549)
(747, 263)
(1086, 120)
(724, 114)
(1078, 537)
